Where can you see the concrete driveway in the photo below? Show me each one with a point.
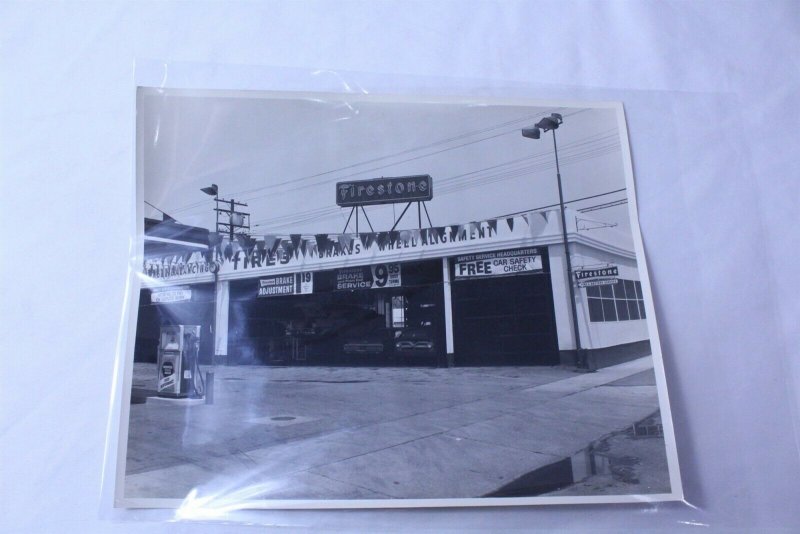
(375, 433)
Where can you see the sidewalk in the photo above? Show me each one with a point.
(360, 433)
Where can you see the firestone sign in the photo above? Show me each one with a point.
(418, 188)
(597, 277)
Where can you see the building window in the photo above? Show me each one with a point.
(399, 312)
(622, 301)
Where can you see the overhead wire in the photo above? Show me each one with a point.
(477, 179)
(295, 181)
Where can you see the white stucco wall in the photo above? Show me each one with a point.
(605, 334)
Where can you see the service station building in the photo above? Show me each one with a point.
(482, 293)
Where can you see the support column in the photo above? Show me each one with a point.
(448, 311)
(222, 303)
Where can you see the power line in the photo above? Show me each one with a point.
(415, 158)
(566, 202)
(452, 186)
(611, 204)
(159, 209)
(381, 158)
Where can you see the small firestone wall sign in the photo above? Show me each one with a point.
(418, 188)
(605, 276)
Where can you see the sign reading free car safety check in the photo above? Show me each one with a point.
(503, 263)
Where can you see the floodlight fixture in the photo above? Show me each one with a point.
(210, 190)
(531, 133)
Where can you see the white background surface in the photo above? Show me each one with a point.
(711, 94)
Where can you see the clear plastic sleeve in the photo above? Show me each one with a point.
(350, 291)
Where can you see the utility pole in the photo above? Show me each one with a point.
(234, 220)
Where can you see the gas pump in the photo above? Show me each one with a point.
(178, 370)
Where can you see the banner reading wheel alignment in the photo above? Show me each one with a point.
(502, 263)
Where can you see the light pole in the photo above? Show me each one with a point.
(213, 191)
(547, 124)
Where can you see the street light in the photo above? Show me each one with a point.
(210, 190)
(213, 239)
(548, 124)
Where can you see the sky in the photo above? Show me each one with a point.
(283, 155)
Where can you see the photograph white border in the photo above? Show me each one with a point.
(210, 509)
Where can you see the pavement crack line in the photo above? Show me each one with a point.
(332, 479)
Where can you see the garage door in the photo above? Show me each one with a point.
(501, 318)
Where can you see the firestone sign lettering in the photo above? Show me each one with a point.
(597, 277)
(384, 191)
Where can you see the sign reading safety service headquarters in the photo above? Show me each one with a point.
(503, 263)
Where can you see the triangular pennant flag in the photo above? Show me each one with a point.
(260, 246)
(492, 223)
(214, 239)
(525, 216)
(275, 245)
(367, 239)
(440, 230)
(304, 246)
(394, 235)
(382, 238)
(228, 251)
(322, 242)
(295, 238)
(510, 222)
(544, 215)
(454, 230)
(405, 236)
(270, 243)
(345, 241)
(416, 234)
(423, 235)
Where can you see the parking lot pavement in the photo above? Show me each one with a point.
(374, 433)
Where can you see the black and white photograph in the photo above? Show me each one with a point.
(372, 301)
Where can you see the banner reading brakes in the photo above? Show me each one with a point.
(503, 263)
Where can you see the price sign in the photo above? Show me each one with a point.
(369, 277)
(386, 275)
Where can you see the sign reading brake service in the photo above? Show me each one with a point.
(369, 277)
(503, 263)
(418, 188)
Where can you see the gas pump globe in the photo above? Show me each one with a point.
(178, 370)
